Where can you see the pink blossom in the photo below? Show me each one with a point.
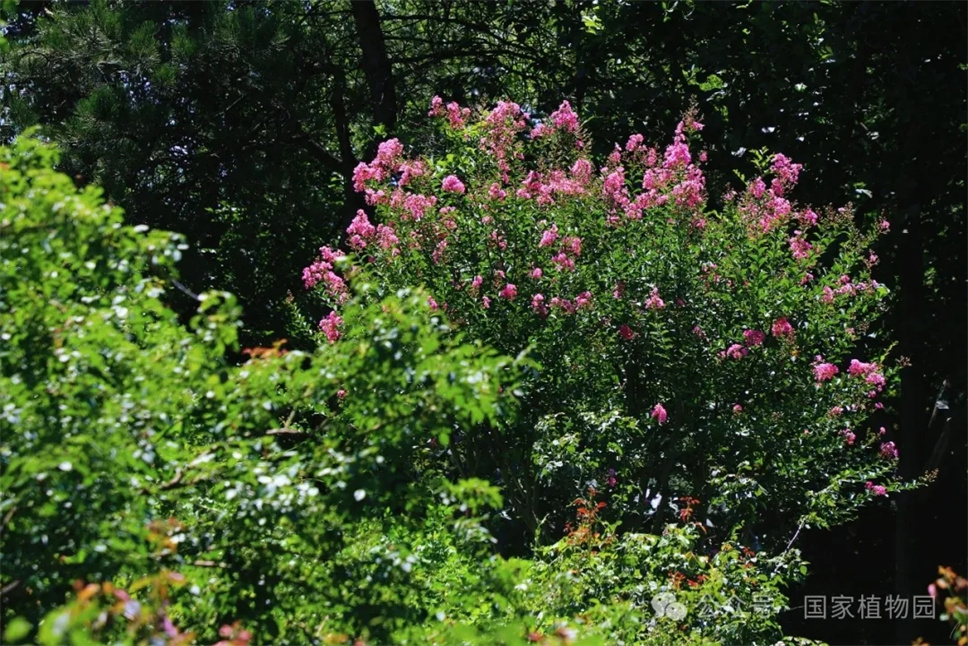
(438, 255)
(330, 327)
(341, 393)
(477, 281)
(698, 332)
(409, 170)
(432, 303)
(486, 302)
(314, 273)
(364, 173)
(386, 237)
(388, 154)
(615, 158)
(885, 226)
(786, 173)
(677, 155)
(509, 292)
(737, 408)
(888, 450)
(563, 304)
(418, 205)
(828, 295)
(634, 142)
(881, 432)
(800, 247)
(835, 411)
(654, 302)
(452, 184)
(849, 436)
(877, 490)
(548, 237)
(736, 351)
(564, 118)
(572, 244)
(361, 227)
(495, 192)
(757, 188)
(659, 412)
(563, 261)
(825, 371)
(537, 304)
(612, 480)
(876, 379)
(540, 131)
(614, 187)
(456, 115)
(619, 290)
(753, 337)
(536, 273)
(582, 171)
(626, 332)
(583, 300)
(859, 368)
(436, 107)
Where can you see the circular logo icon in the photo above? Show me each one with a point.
(665, 605)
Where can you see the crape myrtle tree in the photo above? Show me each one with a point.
(700, 363)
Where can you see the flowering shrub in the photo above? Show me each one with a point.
(684, 351)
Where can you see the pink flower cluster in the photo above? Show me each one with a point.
(361, 231)
(767, 208)
(543, 189)
(735, 351)
(653, 302)
(501, 126)
(676, 176)
(799, 246)
(888, 450)
(659, 413)
(321, 271)
(785, 174)
(824, 371)
(455, 115)
(549, 236)
(561, 120)
(538, 305)
(782, 329)
(452, 184)
(871, 373)
(877, 490)
(510, 292)
(754, 337)
(330, 327)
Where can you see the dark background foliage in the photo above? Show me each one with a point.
(239, 124)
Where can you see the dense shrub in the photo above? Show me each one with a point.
(694, 357)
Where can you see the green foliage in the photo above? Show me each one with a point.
(286, 493)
